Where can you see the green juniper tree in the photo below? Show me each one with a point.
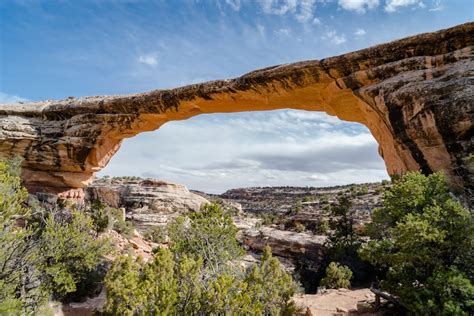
(337, 276)
(423, 244)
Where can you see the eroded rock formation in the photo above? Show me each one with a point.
(415, 95)
(148, 202)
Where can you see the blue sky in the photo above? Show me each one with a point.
(56, 49)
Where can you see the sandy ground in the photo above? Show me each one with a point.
(334, 302)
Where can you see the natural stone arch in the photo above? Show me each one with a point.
(415, 95)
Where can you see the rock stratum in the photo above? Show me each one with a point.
(415, 95)
(147, 202)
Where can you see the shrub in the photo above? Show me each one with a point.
(423, 241)
(269, 218)
(269, 287)
(324, 199)
(297, 207)
(337, 276)
(100, 216)
(322, 227)
(186, 279)
(124, 228)
(42, 253)
(209, 233)
(157, 234)
(69, 251)
(363, 189)
(105, 217)
(122, 284)
(14, 248)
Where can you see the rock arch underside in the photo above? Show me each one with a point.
(415, 95)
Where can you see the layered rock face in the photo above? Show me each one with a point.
(415, 95)
(148, 202)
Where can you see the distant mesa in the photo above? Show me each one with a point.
(415, 95)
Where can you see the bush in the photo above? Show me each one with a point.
(324, 199)
(198, 275)
(14, 248)
(269, 287)
(322, 227)
(269, 218)
(166, 286)
(423, 245)
(105, 217)
(157, 234)
(337, 276)
(100, 216)
(42, 253)
(363, 189)
(209, 233)
(297, 207)
(69, 251)
(124, 228)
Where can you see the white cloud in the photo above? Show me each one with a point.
(217, 152)
(303, 10)
(9, 98)
(359, 6)
(306, 10)
(394, 5)
(316, 21)
(437, 6)
(149, 59)
(283, 32)
(360, 32)
(234, 4)
(335, 38)
(316, 177)
(277, 7)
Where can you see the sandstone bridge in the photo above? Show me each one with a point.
(415, 95)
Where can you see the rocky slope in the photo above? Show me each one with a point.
(415, 96)
(302, 208)
(286, 218)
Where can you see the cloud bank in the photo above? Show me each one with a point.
(217, 152)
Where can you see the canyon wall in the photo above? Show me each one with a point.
(415, 95)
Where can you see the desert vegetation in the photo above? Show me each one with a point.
(199, 275)
(58, 252)
(416, 247)
(44, 253)
(422, 243)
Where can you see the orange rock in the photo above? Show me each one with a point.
(415, 95)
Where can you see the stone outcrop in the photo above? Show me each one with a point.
(156, 195)
(284, 243)
(415, 95)
(147, 202)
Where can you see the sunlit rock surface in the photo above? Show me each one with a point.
(147, 202)
(415, 95)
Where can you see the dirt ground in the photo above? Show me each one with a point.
(334, 302)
